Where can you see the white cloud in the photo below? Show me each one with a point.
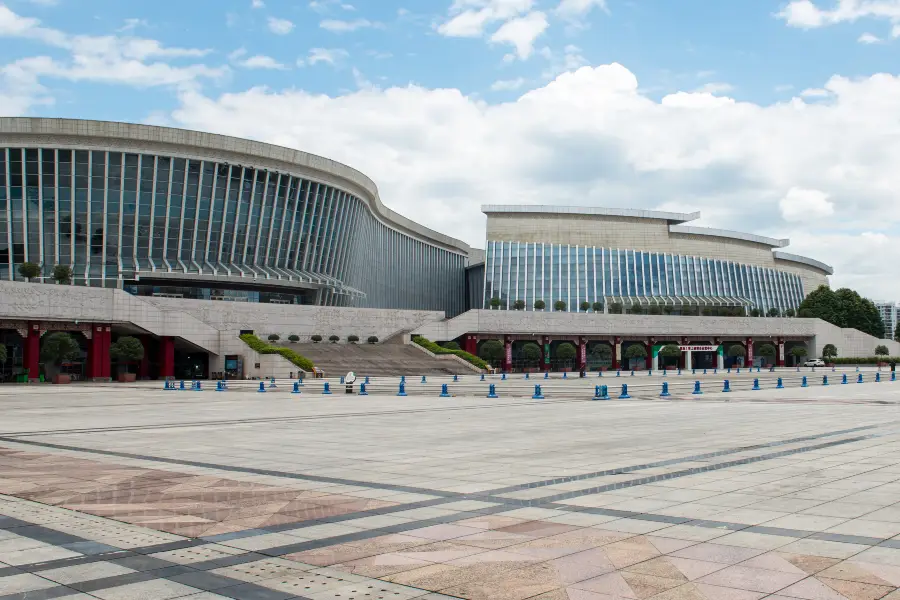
(470, 17)
(808, 15)
(330, 56)
(800, 204)
(715, 87)
(132, 24)
(339, 26)
(506, 85)
(868, 38)
(590, 137)
(325, 6)
(280, 26)
(261, 61)
(815, 93)
(257, 4)
(522, 32)
(571, 9)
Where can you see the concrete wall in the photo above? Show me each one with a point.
(815, 332)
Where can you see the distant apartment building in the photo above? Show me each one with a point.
(888, 311)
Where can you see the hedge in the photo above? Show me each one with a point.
(864, 360)
(435, 349)
(263, 348)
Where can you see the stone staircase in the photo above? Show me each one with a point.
(392, 358)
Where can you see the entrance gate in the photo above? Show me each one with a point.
(688, 350)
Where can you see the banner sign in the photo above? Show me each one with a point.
(508, 353)
(698, 348)
(546, 354)
(583, 353)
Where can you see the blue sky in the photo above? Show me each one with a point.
(776, 117)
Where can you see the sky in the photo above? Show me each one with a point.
(780, 118)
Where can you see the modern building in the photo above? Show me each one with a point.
(168, 212)
(572, 258)
(889, 316)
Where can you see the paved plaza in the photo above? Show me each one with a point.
(136, 493)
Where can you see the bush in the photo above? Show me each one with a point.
(293, 338)
(274, 337)
(559, 306)
(334, 339)
(865, 360)
(829, 352)
(585, 306)
(435, 349)
(565, 351)
(670, 350)
(519, 305)
(450, 346)
(655, 310)
(372, 339)
(754, 312)
(881, 350)
(789, 312)
(127, 349)
(767, 350)
(263, 348)
(773, 312)
(29, 270)
(539, 305)
(62, 274)
(491, 350)
(316, 338)
(57, 348)
(615, 308)
(531, 352)
(636, 351)
(597, 307)
(352, 338)
(495, 302)
(737, 350)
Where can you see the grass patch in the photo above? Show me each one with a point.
(264, 348)
(435, 349)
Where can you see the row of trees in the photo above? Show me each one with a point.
(62, 274)
(844, 308)
(61, 347)
(334, 339)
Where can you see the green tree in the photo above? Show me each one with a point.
(636, 351)
(789, 312)
(352, 338)
(829, 351)
(585, 306)
(773, 312)
(559, 306)
(274, 337)
(495, 303)
(754, 312)
(491, 351)
(601, 351)
(859, 313)
(881, 350)
(767, 350)
(56, 349)
(597, 307)
(29, 270)
(539, 305)
(822, 303)
(372, 339)
(635, 309)
(62, 274)
(316, 338)
(126, 349)
(670, 351)
(565, 351)
(451, 345)
(519, 305)
(615, 308)
(736, 350)
(293, 338)
(655, 310)
(531, 353)
(799, 352)
(334, 339)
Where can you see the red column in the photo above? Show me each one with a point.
(32, 351)
(166, 357)
(648, 360)
(507, 354)
(616, 351)
(98, 353)
(582, 354)
(471, 344)
(143, 366)
(749, 362)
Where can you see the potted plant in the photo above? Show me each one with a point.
(881, 351)
(126, 350)
(316, 338)
(274, 337)
(372, 339)
(352, 338)
(636, 351)
(829, 353)
(519, 305)
(293, 338)
(29, 270)
(62, 274)
(539, 305)
(559, 306)
(334, 339)
(56, 349)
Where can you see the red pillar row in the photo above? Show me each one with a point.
(166, 357)
(470, 344)
(32, 351)
(749, 362)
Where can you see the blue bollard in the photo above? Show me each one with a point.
(198, 387)
(832, 369)
(565, 375)
(618, 373)
(757, 369)
(455, 378)
(537, 393)
(755, 384)
(482, 377)
(726, 387)
(444, 392)
(739, 370)
(600, 373)
(632, 372)
(715, 371)
(780, 385)
(272, 382)
(877, 377)
(604, 392)
(342, 380)
(492, 391)
(546, 375)
(665, 373)
(423, 379)
(367, 380)
(596, 393)
(262, 387)
(679, 370)
(824, 379)
(624, 393)
(696, 391)
(857, 369)
(327, 389)
(844, 379)
(181, 387)
(804, 383)
(729, 369)
(219, 386)
(893, 376)
(526, 375)
(649, 373)
(300, 381)
(362, 390)
(296, 389)
(402, 391)
(403, 379)
(798, 369)
(704, 371)
(859, 378)
(665, 390)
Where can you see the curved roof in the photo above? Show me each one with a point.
(810, 262)
(182, 142)
(671, 217)
(734, 235)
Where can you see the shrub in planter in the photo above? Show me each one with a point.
(334, 339)
(372, 339)
(274, 337)
(125, 351)
(57, 348)
(316, 338)
(450, 345)
(352, 338)
(293, 338)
